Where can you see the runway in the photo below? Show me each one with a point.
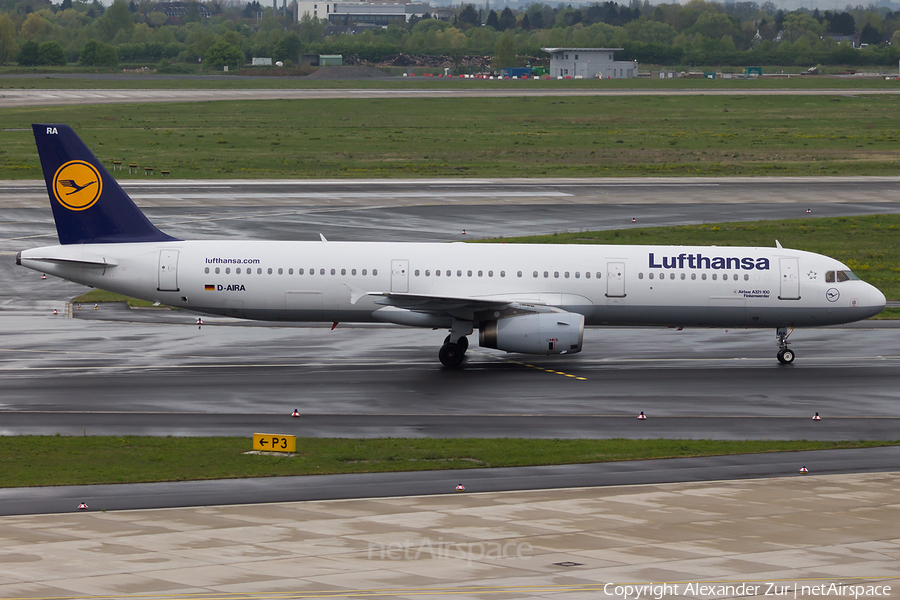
(10, 98)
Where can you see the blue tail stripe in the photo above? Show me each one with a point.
(89, 206)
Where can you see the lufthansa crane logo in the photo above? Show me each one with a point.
(77, 185)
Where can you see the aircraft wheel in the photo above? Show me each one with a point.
(463, 344)
(451, 355)
(787, 356)
(780, 356)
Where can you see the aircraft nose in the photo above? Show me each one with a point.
(876, 298)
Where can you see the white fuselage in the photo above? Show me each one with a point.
(329, 281)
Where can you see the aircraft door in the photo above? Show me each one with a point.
(400, 276)
(790, 279)
(168, 271)
(615, 280)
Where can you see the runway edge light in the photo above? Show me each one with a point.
(273, 442)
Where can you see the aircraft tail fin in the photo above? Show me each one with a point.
(88, 204)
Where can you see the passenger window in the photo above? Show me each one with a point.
(353, 272)
(746, 277)
(238, 271)
(693, 276)
(416, 272)
(672, 276)
(703, 277)
(829, 277)
(321, 271)
(364, 271)
(332, 271)
(535, 274)
(299, 271)
(519, 274)
(374, 272)
(343, 271)
(502, 273)
(490, 273)
(577, 275)
(724, 277)
(650, 276)
(640, 275)
(206, 270)
(312, 271)
(566, 274)
(842, 276)
(481, 273)
(259, 271)
(556, 274)
(448, 272)
(281, 271)
(714, 276)
(546, 274)
(468, 273)
(598, 274)
(459, 273)
(682, 276)
(290, 271)
(217, 270)
(587, 274)
(427, 273)
(437, 273)
(228, 270)
(269, 271)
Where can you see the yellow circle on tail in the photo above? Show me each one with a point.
(77, 185)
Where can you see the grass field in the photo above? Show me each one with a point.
(58, 460)
(471, 137)
(79, 78)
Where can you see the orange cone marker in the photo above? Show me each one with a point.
(296, 413)
(82, 506)
(804, 470)
(55, 312)
(460, 488)
(816, 417)
(43, 276)
(96, 306)
(642, 416)
(633, 220)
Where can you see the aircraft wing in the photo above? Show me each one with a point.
(463, 307)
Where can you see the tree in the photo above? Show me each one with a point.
(8, 46)
(288, 47)
(526, 23)
(505, 51)
(98, 54)
(468, 16)
(28, 54)
(35, 26)
(192, 14)
(52, 53)
(222, 53)
(840, 23)
(870, 35)
(507, 19)
(116, 18)
(493, 21)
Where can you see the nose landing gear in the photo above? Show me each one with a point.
(785, 355)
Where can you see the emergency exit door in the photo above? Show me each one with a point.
(615, 280)
(168, 271)
(400, 276)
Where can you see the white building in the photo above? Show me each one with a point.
(588, 63)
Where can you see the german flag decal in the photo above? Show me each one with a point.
(209, 288)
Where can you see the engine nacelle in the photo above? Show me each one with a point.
(544, 333)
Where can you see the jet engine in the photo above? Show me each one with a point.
(543, 333)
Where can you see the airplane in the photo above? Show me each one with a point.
(522, 298)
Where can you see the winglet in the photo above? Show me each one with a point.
(88, 205)
(322, 237)
(777, 244)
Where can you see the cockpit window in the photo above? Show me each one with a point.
(847, 276)
(829, 277)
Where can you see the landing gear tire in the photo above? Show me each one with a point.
(786, 356)
(463, 342)
(451, 355)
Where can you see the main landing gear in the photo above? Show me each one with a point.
(455, 345)
(785, 355)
